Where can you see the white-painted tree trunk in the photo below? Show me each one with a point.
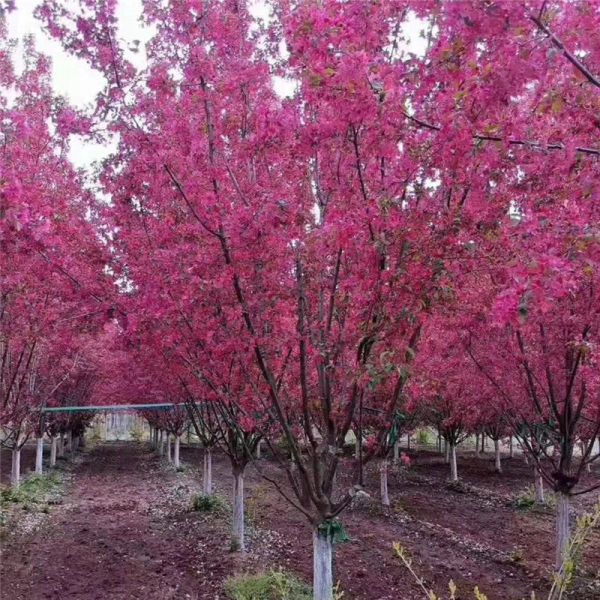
(396, 451)
(453, 465)
(497, 457)
(383, 480)
(53, 449)
(207, 473)
(322, 566)
(15, 475)
(237, 530)
(539, 486)
(39, 455)
(176, 452)
(259, 450)
(169, 456)
(563, 527)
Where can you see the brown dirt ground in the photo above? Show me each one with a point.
(126, 532)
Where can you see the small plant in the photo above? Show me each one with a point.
(562, 580)
(516, 555)
(214, 503)
(525, 499)
(275, 584)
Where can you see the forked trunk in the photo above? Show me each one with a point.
(453, 465)
(322, 565)
(169, 457)
(383, 479)
(563, 527)
(497, 457)
(207, 474)
(53, 449)
(237, 531)
(15, 475)
(539, 486)
(39, 455)
(176, 446)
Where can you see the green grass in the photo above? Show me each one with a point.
(35, 489)
(271, 585)
(215, 503)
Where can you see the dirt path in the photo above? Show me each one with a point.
(126, 532)
(104, 543)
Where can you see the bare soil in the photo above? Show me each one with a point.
(126, 532)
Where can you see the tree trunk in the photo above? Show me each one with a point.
(446, 452)
(161, 447)
(396, 451)
(169, 457)
(453, 465)
(383, 479)
(70, 442)
(477, 452)
(237, 531)
(563, 527)
(61, 446)
(408, 441)
(510, 447)
(322, 566)
(483, 443)
(39, 455)
(15, 475)
(539, 486)
(53, 449)
(258, 449)
(497, 457)
(207, 474)
(176, 452)
(357, 448)
(439, 442)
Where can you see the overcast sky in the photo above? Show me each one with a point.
(76, 81)
(72, 77)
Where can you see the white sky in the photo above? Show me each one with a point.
(72, 77)
(75, 80)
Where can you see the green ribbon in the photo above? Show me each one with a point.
(334, 529)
